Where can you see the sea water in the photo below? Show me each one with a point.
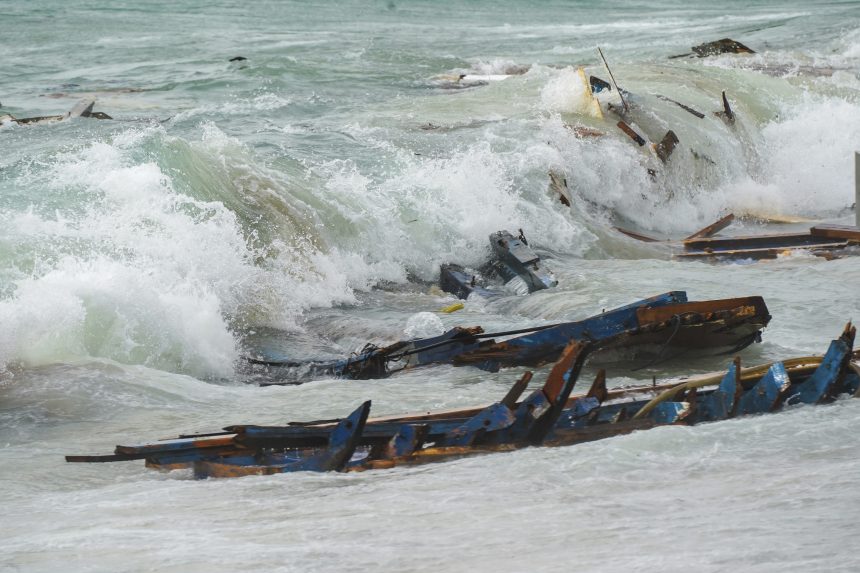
(306, 196)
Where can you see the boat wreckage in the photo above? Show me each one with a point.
(549, 416)
(83, 108)
(513, 263)
(654, 328)
(827, 241)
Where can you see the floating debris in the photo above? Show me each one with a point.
(549, 416)
(715, 48)
(726, 114)
(646, 328)
(83, 108)
(558, 187)
(686, 108)
(666, 146)
(631, 133)
(513, 262)
(828, 241)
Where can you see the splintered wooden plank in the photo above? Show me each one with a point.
(772, 240)
(713, 228)
(761, 253)
(846, 232)
(637, 236)
(631, 133)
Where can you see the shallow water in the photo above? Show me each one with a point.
(309, 193)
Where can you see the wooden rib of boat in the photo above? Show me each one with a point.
(549, 416)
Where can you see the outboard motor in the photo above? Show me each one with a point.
(515, 259)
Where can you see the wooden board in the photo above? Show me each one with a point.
(713, 228)
(846, 232)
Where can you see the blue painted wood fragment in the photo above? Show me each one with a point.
(342, 442)
(816, 388)
(409, 438)
(767, 394)
(490, 419)
(580, 409)
(669, 412)
(719, 404)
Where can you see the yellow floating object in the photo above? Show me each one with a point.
(452, 308)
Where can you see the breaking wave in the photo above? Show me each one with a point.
(148, 248)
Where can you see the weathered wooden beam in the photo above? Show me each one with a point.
(686, 108)
(637, 236)
(510, 399)
(713, 228)
(631, 133)
(775, 241)
(836, 232)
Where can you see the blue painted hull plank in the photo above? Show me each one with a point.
(549, 416)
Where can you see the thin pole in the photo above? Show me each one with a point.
(857, 189)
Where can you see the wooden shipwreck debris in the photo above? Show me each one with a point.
(667, 321)
(715, 48)
(558, 187)
(513, 264)
(829, 241)
(666, 146)
(726, 114)
(823, 240)
(631, 133)
(713, 228)
(83, 108)
(549, 416)
(686, 108)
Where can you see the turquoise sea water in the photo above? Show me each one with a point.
(308, 194)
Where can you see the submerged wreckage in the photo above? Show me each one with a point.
(514, 263)
(828, 241)
(650, 327)
(83, 108)
(549, 416)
